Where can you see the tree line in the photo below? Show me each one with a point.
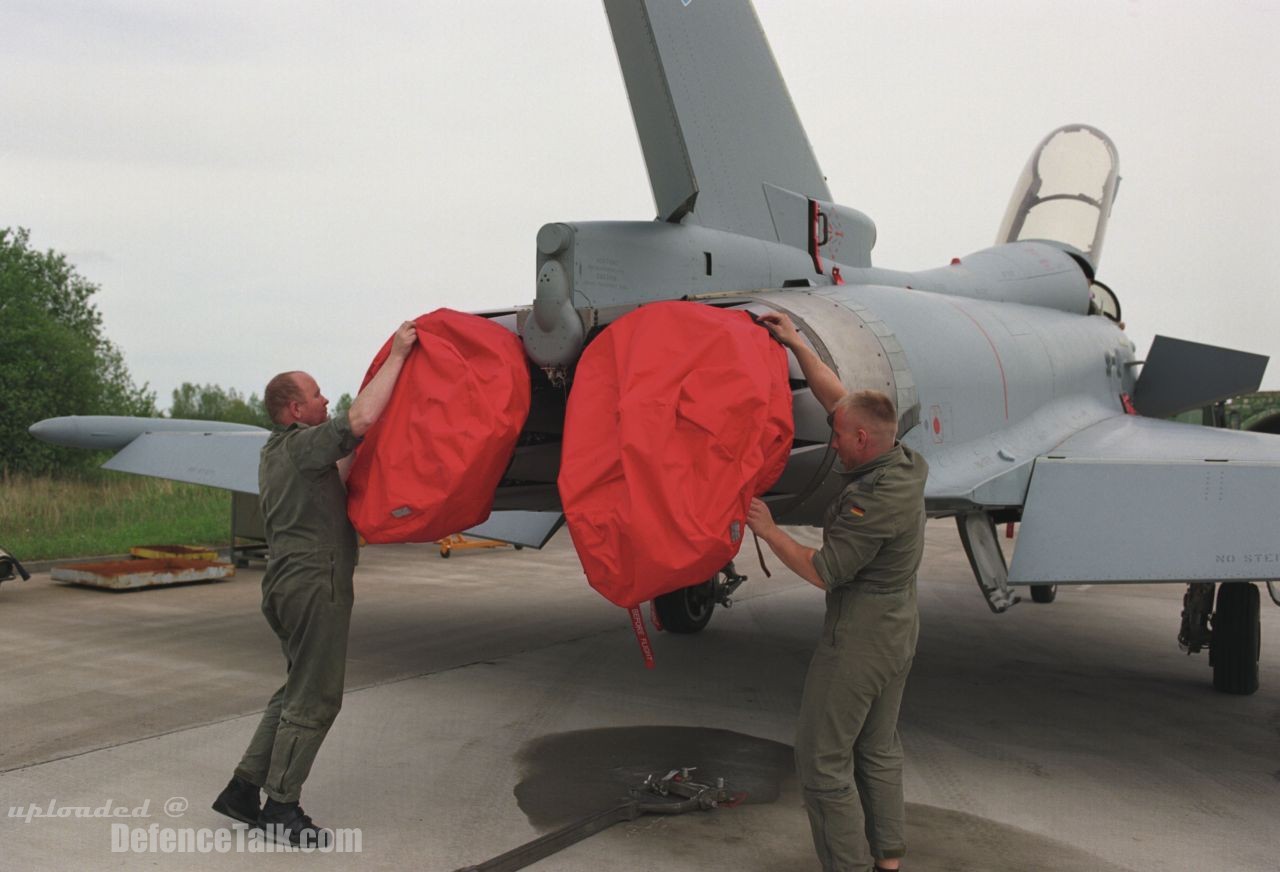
(212, 402)
(55, 360)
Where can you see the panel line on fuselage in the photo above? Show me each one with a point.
(1004, 382)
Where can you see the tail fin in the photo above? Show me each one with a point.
(714, 117)
(1065, 193)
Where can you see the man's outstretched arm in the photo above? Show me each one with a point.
(368, 405)
(825, 384)
(796, 557)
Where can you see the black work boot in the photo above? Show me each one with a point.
(287, 824)
(239, 801)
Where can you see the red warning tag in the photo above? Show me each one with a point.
(637, 624)
(655, 617)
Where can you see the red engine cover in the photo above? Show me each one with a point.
(678, 415)
(430, 465)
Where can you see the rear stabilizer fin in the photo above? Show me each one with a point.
(714, 117)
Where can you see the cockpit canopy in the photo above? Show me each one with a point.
(1065, 193)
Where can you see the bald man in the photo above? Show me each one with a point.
(307, 589)
(848, 754)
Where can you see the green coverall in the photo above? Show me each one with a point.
(848, 754)
(306, 597)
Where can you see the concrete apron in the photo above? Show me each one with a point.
(493, 696)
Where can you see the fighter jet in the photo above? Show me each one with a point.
(1010, 366)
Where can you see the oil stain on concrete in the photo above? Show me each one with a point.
(568, 776)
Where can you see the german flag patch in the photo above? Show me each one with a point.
(856, 510)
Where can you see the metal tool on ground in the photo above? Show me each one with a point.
(673, 793)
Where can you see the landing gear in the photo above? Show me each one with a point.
(978, 535)
(1197, 609)
(1044, 593)
(689, 609)
(1236, 641)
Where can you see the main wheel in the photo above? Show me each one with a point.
(1044, 593)
(1236, 643)
(687, 610)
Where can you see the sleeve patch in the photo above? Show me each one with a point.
(856, 510)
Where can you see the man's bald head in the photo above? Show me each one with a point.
(281, 391)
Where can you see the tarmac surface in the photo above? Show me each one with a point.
(493, 696)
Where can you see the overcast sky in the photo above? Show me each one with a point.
(258, 186)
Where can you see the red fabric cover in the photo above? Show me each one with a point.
(678, 415)
(430, 465)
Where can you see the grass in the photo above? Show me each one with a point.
(94, 513)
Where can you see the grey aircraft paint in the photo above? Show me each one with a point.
(1010, 366)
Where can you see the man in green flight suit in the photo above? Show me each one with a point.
(848, 753)
(307, 590)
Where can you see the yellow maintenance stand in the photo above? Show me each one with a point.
(458, 542)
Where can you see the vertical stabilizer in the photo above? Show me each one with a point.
(714, 117)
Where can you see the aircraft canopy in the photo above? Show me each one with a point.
(1065, 192)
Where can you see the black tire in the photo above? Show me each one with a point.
(687, 610)
(1044, 593)
(1237, 639)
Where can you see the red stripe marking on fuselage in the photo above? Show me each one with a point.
(1004, 383)
(815, 246)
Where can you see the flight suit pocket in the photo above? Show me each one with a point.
(831, 623)
(316, 571)
(281, 771)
